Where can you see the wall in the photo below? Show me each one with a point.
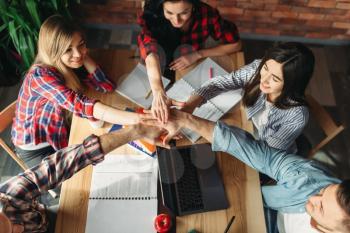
(320, 19)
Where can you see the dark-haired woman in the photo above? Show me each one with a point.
(273, 93)
(172, 38)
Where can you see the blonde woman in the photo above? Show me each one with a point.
(51, 90)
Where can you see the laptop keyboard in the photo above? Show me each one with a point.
(188, 188)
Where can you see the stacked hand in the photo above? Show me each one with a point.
(172, 127)
(161, 104)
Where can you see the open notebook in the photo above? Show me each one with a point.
(123, 195)
(136, 87)
(214, 108)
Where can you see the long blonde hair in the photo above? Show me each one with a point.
(55, 37)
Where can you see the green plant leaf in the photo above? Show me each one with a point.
(31, 47)
(55, 5)
(13, 34)
(33, 12)
(3, 27)
(3, 10)
(23, 49)
(18, 18)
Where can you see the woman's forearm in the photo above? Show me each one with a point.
(154, 72)
(89, 64)
(112, 115)
(194, 101)
(220, 50)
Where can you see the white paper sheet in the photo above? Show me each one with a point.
(216, 107)
(123, 195)
(135, 87)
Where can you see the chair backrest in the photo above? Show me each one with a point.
(6, 118)
(329, 127)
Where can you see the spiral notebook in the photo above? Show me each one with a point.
(214, 108)
(123, 195)
(136, 87)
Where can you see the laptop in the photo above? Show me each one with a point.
(190, 180)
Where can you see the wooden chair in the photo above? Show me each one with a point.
(325, 121)
(6, 117)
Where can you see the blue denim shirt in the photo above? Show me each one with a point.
(297, 178)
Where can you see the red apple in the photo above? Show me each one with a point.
(162, 223)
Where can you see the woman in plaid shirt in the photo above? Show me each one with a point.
(51, 92)
(172, 38)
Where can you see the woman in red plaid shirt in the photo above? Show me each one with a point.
(52, 91)
(172, 38)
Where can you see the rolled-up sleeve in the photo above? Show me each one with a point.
(99, 81)
(51, 85)
(146, 42)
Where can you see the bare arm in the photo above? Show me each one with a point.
(160, 103)
(112, 115)
(194, 101)
(113, 140)
(220, 50)
(89, 64)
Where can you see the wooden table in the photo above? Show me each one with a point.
(241, 182)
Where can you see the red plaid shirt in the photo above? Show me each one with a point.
(41, 101)
(19, 194)
(207, 22)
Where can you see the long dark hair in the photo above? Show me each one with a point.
(168, 37)
(298, 65)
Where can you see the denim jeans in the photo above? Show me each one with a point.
(33, 157)
(271, 220)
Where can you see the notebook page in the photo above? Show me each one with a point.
(136, 87)
(180, 91)
(123, 195)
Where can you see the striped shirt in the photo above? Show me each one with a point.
(42, 100)
(20, 194)
(283, 125)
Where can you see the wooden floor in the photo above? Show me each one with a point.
(331, 86)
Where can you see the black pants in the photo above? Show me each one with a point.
(33, 157)
(51, 213)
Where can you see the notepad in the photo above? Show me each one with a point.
(214, 108)
(136, 87)
(123, 195)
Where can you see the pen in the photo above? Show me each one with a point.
(148, 94)
(210, 72)
(229, 224)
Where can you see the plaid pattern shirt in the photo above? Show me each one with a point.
(19, 194)
(42, 100)
(206, 22)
